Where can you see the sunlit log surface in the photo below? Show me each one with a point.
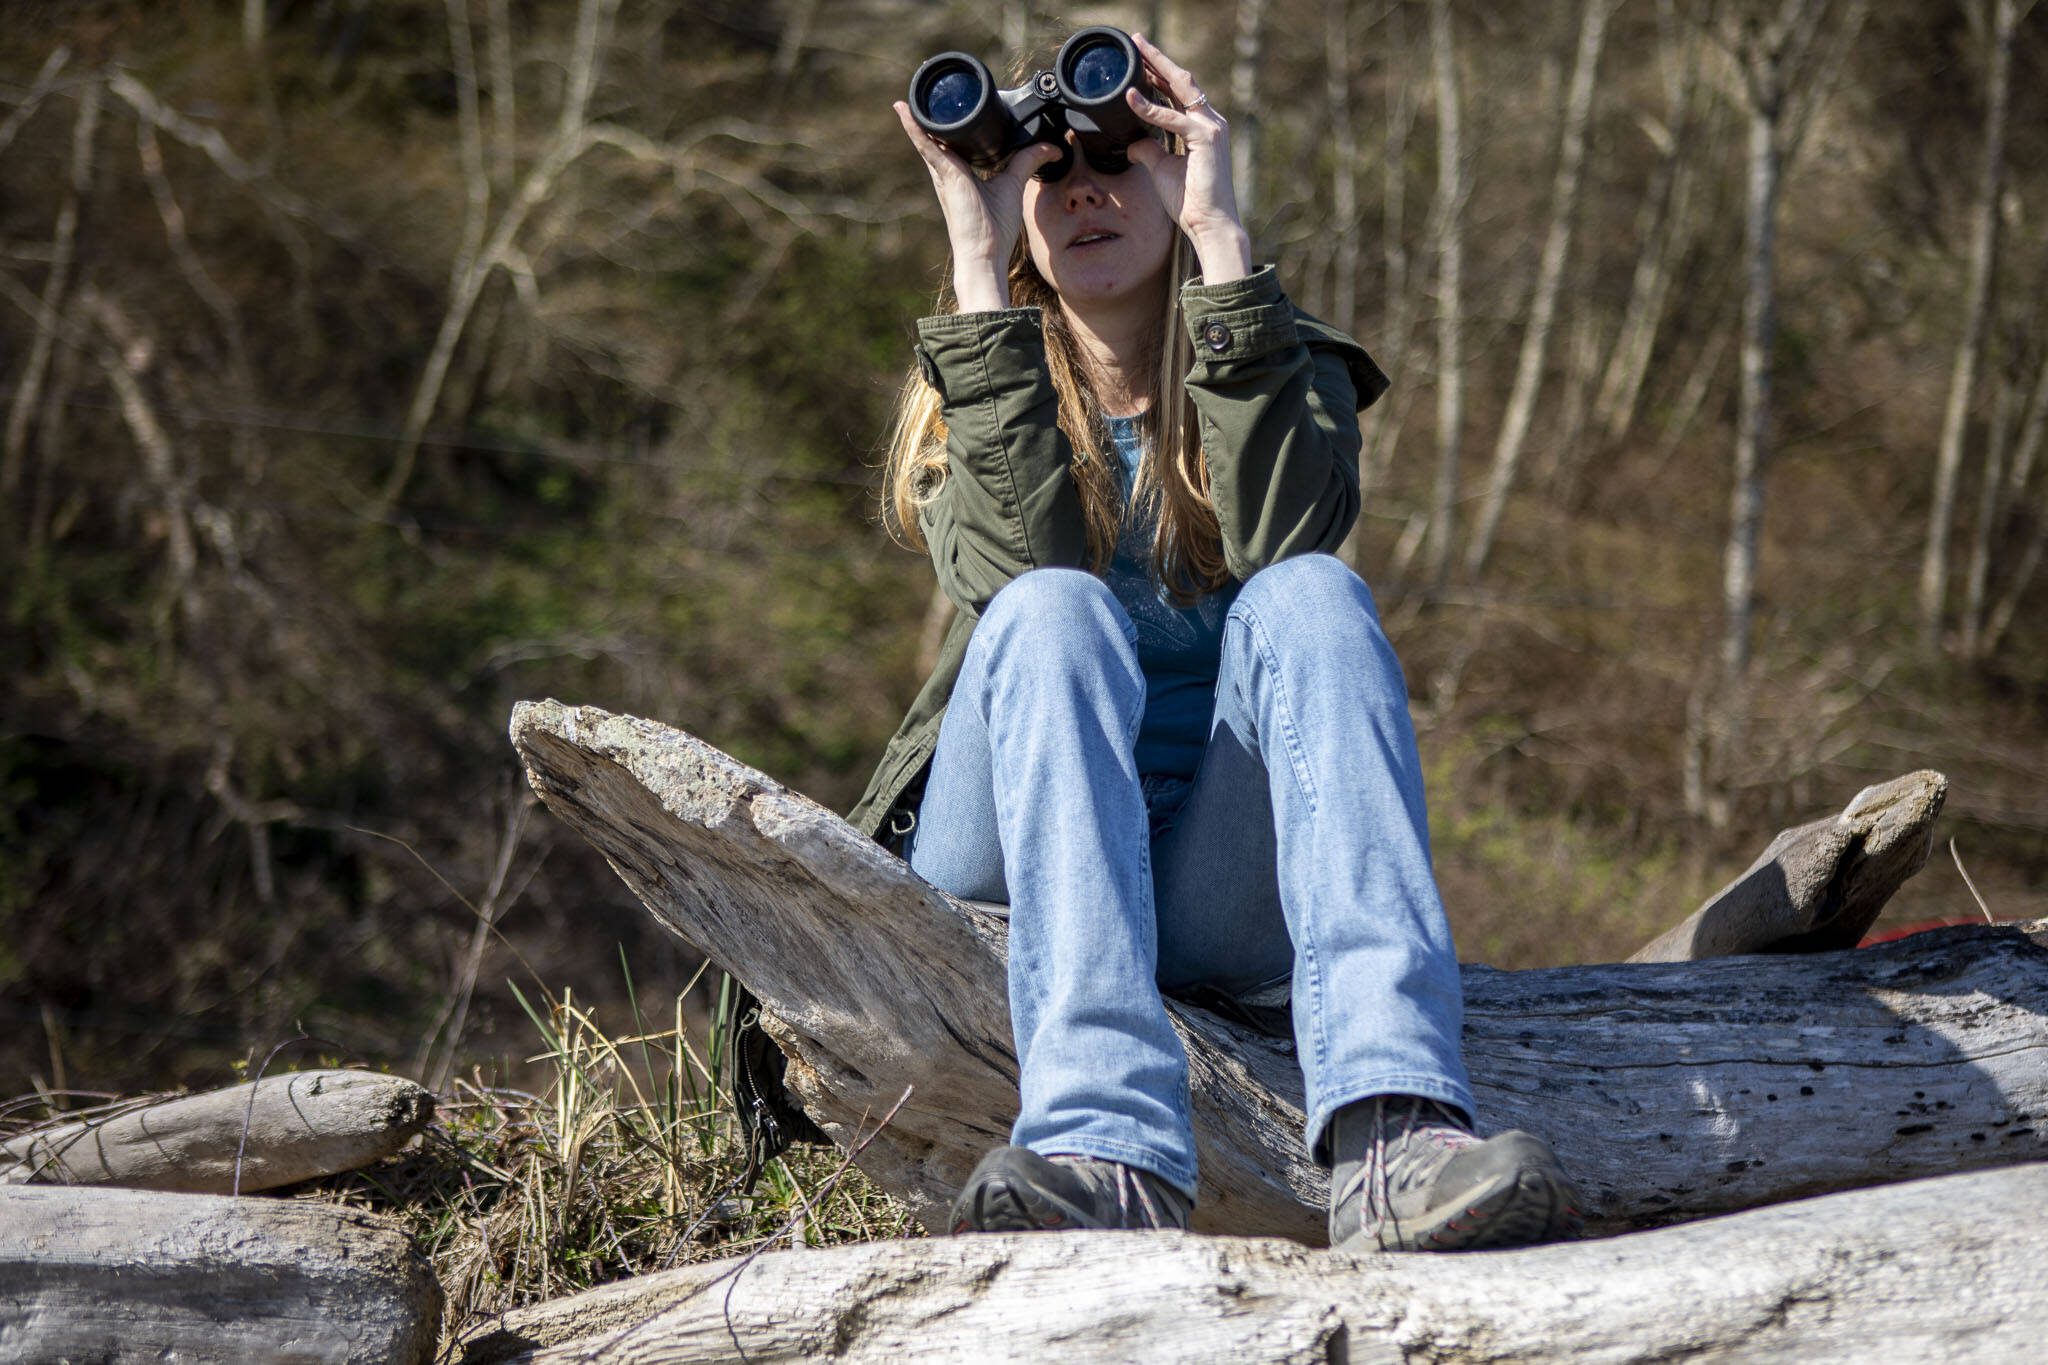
(1669, 1089)
(1935, 1270)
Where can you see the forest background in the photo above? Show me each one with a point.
(368, 366)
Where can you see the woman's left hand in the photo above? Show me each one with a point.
(1194, 185)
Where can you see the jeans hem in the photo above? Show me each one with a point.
(1340, 1093)
(1180, 1175)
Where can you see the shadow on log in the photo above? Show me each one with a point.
(1936, 1270)
(1670, 1090)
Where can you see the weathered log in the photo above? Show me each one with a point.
(118, 1275)
(1935, 1270)
(1817, 886)
(300, 1125)
(1669, 1089)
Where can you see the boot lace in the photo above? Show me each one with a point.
(1427, 1137)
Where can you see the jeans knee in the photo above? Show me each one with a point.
(1316, 585)
(1059, 609)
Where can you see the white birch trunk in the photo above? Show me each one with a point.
(1557, 238)
(1962, 387)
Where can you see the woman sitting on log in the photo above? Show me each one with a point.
(1166, 727)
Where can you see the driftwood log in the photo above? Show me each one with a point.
(1669, 1089)
(129, 1275)
(299, 1125)
(1818, 886)
(1935, 1270)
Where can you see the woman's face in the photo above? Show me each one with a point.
(1098, 239)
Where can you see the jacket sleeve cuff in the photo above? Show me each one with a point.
(1239, 319)
(953, 348)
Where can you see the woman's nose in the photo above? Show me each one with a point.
(1081, 187)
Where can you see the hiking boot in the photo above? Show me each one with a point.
(1017, 1190)
(1410, 1176)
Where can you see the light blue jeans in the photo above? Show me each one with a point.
(1302, 847)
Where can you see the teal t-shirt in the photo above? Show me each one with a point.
(1178, 647)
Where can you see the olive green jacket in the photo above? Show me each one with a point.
(1277, 393)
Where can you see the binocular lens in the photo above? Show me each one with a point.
(1098, 70)
(950, 96)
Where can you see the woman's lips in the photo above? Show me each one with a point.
(1088, 239)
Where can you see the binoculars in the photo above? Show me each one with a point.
(954, 98)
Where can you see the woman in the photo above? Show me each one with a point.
(1166, 727)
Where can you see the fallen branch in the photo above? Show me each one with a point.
(1818, 886)
(287, 1128)
(1670, 1090)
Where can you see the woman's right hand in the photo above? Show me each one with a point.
(983, 217)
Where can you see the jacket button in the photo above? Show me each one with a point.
(1217, 336)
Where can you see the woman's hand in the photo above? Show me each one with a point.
(1194, 185)
(983, 217)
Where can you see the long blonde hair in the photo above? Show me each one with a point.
(1172, 486)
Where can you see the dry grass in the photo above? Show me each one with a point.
(628, 1160)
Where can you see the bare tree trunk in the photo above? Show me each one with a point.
(2022, 580)
(504, 96)
(63, 246)
(1385, 419)
(2027, 448)
(1664, 231)
(1776, 61)
(1245, 111)
(1978, 578)
(473, 270)
(1344, 174)
(1449, 217)
(1962, 388)
(1564, 198)
(38, 91)
(124, 356)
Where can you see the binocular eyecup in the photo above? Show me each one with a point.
(955, 99)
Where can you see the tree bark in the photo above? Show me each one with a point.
(1564, 199)
(1938, 1270)
(123, 1275)
(1962, 386)
(1669, 1089)
(276, 1131)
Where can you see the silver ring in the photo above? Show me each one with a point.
(1199, 103)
